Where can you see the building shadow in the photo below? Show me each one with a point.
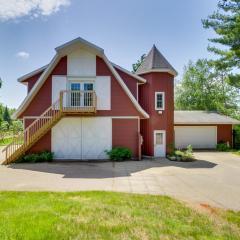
(100, 170)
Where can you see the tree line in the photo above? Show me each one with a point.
(8, 127)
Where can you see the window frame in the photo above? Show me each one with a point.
(163, 101)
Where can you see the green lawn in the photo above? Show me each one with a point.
(237, 152)
(107, 215)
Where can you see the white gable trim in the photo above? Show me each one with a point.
(125, 88)
(28, 75)
(37, 86)
(142, 80)
(82, 41)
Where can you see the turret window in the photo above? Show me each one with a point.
(159, 101)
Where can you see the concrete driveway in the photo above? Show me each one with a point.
(214, 179)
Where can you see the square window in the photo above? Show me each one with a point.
(75, 86)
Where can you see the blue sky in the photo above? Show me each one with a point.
(125, 29)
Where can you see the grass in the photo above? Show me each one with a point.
(237, 152)
(5, 141)
(108, 215)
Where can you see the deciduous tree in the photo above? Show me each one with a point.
(204, 87)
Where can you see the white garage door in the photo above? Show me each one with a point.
(198, 136)
(82, 138)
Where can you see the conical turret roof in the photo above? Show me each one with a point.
(155, 62)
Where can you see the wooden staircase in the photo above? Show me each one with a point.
(37, 129)
(69, 103)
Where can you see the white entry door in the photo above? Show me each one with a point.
(159, 143)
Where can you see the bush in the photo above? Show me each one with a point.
(223, 147)
(183, 156)
(44, 156)
(119, 154)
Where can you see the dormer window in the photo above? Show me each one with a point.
(159, 101)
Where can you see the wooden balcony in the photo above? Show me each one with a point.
(78, 102)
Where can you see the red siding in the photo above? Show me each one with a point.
(41, 102)
(224, 131)
(129, 81)
(125, 134)
(32, 80)
(43, 99)
(43, 144)
(121, 104)
(157, 82)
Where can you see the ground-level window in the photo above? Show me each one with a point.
(159, 100)
(159, 138)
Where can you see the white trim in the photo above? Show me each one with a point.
(166, 70)
(80, 78)
(163, 101)
(79, 40)
(125, 88)
(113, 117)
(124, 117)
(28, 75)
(141, 79)
(37, 86)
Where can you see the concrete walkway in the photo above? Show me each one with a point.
(213, 179)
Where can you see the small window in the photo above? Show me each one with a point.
(159, 139)
(88, 86)
(75, 86)
(159, 101)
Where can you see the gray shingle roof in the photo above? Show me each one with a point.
(202, 117)
(155, 61)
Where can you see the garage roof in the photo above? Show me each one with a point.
(202, 117)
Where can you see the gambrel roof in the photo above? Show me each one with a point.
(64, 50)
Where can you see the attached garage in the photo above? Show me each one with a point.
(82, 138)
(202, 129)
(198, 136)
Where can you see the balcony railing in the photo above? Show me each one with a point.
(78, 101)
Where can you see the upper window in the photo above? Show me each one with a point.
(75, 86)
(159, 101)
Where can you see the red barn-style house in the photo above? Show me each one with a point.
(81, 104)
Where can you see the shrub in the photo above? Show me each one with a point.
(183, 156)
(44, 156)
(223, 147)
(119, 154)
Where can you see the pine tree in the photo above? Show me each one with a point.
(226, 24)
(6, 115)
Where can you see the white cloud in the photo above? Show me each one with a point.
(11, 9)
(23, 55)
